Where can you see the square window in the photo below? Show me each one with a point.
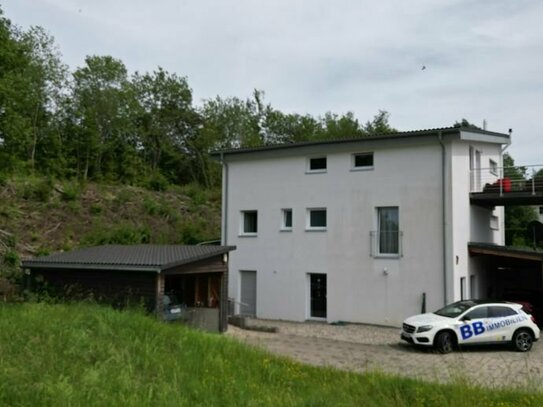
(249, 222)
(388, 230)
(362, 161)
(316, 164)
(316, 219)
(286, 222)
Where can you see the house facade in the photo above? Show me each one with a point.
(366, 230)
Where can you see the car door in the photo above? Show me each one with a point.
(472, 326)
(499, 326)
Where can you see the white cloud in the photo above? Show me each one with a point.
(483, 58)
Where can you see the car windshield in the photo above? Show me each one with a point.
(455, 309)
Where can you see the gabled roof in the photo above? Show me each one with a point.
(141, 257)
(445, 131)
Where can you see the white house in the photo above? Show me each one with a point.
(361, 230)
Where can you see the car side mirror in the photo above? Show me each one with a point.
(465, 318)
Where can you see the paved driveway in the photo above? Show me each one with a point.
(363, 347)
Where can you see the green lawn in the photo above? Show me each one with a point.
(84, 354)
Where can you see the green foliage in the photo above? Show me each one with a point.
(89, 355)
(35, 188)
(71, 190)
(157, 182)
(96, 209)
(11, 258)
(517, 218)
(119, 234)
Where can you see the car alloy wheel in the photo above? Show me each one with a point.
(445, 342)
(523, 341)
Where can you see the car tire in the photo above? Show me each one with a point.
(523, 340)
(444, 342)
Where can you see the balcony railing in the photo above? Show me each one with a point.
(501, 180)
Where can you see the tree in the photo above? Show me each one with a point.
(31, 80)
(379, 124)
(517, 218)
(102, 105)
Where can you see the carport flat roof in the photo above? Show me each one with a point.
(476, 248)
(142, 257)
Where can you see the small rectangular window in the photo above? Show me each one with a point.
(362, 161)
(316, 164)
(316, 219)
(249, 222)
(493, 167)
(541, 210)
(286, 222)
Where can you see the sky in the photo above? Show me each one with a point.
(482, 59)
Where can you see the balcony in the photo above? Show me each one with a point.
(500, 186)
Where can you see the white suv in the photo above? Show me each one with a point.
(472, 322)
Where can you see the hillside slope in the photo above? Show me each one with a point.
(38, 217)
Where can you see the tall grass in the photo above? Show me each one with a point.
(85, 355)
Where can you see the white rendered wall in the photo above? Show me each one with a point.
(358, 288)
(471, 222)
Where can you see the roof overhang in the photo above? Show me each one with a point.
(94, 261)
(478, 249)
(420, 136)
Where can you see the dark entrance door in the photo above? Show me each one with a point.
(318, 295)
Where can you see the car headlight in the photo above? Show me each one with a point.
(424, 328)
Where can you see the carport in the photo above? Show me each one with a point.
(141, 274)
(509, 274)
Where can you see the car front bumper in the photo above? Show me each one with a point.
(420, 339)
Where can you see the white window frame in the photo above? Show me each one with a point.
(242, 231)
(365, 167)
(284, 227)
(493, 167)
(308, 226)
(398, 254)
(308, 169)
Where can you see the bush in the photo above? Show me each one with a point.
(11, 258)
(157, 182)
(39, 189)
(71, 190)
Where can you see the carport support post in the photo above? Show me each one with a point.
(159, 293)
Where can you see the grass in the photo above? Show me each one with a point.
(85, 355)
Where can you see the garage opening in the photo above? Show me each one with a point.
(511, 275)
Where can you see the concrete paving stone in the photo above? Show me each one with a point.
(363, 348)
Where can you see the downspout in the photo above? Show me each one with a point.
(224, 237)
(444, 214)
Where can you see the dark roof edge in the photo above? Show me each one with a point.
(224, 249)
(405, 134)
(506, 249)
(30, 264)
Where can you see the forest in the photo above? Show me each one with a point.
(101, 123)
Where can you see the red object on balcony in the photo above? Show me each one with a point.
(505, 184)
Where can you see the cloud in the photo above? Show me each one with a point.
(483, 58)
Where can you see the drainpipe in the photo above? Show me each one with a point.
(444, 214)
(224, 237)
